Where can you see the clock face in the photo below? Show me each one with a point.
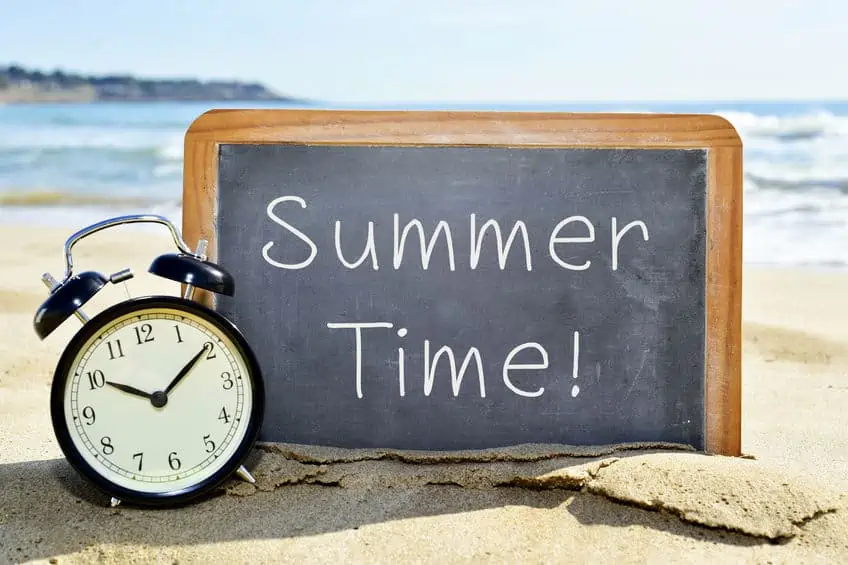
(158, 398)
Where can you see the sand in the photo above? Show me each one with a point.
(786, 501)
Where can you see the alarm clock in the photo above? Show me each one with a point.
(156, 400)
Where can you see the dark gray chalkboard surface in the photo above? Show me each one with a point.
(558, 295)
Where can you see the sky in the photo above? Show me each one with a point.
(451, 50)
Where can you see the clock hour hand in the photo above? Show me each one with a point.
(185, 370)
(129, 389)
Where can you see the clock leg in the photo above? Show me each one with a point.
(245, 475)
(114, 502)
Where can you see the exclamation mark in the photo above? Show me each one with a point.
(575, 390)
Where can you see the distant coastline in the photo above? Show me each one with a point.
(25, 86)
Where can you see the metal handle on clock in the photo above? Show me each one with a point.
(111, 222)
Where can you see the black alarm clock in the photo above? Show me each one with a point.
(158, 399)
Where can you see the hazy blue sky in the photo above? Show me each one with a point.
(451, 50)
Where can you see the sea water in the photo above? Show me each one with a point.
(71, 165)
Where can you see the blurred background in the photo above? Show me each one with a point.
(96, 95)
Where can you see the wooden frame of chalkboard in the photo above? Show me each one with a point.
(723, 279)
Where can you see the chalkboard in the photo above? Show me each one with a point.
(440, 294)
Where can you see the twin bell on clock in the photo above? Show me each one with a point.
(156, 400)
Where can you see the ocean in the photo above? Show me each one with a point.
(72, 165)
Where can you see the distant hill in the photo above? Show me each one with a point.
(19, 85)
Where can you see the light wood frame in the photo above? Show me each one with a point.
(723, 410)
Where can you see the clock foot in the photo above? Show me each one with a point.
(114, 502)
(245, 475)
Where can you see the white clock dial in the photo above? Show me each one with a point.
(159, 399)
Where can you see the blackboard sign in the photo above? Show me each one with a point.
(452, 281)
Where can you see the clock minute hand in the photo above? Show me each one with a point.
(129, 389)
(185, 370)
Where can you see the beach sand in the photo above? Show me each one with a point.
(786, 501)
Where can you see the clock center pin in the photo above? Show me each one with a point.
(159, 399)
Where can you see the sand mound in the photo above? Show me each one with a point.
(718, 492)
(518, 505)
(733, 494)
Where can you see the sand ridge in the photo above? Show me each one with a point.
(734, 494)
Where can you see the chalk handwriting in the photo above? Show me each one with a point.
(508, 366)
(440, 243)
(369, 248)
(401, 363)
(616, 237)
(575, 390)
(456, 380)
(446, 352)
(295, 231)
(476, 243)
(442, 227)
(358, 327)
(556, 239)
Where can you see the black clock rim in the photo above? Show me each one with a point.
(142, 498)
